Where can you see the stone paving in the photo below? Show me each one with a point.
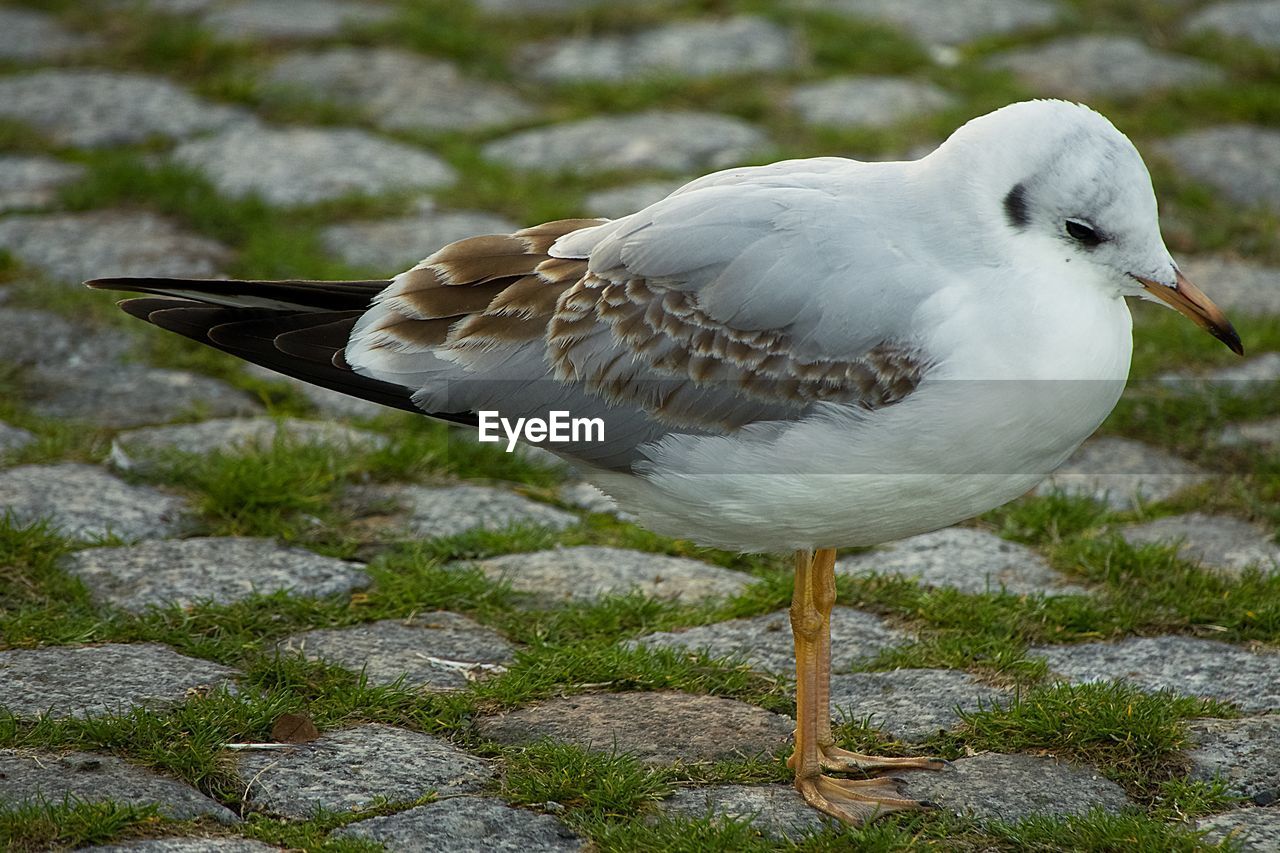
(397, 90)
(965, 559)
(306, 165)
(351, 769)
(689, 49)
(324, 100)
(163, 572)
(33, 776)
(435, 651)
(663, 727)
(1224, 543)
(589, 573)
(51, 681)
(1122, 473)
(454, 826)
(73, 247)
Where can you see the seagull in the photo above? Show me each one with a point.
(797, 357)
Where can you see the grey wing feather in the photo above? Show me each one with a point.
(732, 303)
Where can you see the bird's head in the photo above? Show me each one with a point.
(1058, 177)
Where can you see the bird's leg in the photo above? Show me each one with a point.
(830, 756)
(853, 801)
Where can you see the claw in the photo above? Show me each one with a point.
(834, 758)
(854, 801)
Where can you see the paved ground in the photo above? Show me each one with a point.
(493, 658)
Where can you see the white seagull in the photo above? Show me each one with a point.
(801, 356)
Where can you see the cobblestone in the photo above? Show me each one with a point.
(437, 651)
(73, 247)
(657, 728)
(670, 141)
(706, 48)
(84, 502)
(1122, 473)
(467, 824)
(872, 102)
(31, 182)
(1220, 542)
(351, 769)
(303, 165)
(93, 107)
(220, 570)
(962, 558)
(55, 681)
(588, 573)
(1082, 67)
(1242, 162)
(398, 90)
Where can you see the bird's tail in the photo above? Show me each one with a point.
(297, 328)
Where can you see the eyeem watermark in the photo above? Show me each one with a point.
(557, 427)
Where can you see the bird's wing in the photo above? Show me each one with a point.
(744, 300)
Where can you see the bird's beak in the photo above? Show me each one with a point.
(1185, 298)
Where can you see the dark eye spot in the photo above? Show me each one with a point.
(1015, 206)
(1084, 234)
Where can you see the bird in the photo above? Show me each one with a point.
(795, 357)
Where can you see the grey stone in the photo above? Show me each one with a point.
(451, 510)
(1122, 473)
(90, 681)
(132, 395)
(705, 48)
(13, 439)
(1188, 665)
(1237, 285)
(85, 502)
(36, 776)
(92, 107)
(29, 337)
(589, 572)
(293, 19)
(1251, 830)
(438, 651)
(467, 825)
(220, 570)
(911, 704)
(765, 641)
(1240, 161)
(963, 558)
(620, 201)
(953, 22)
(28, 182)
(398, 90)
(303, 165)
(1221, 542)
(73, 247)
(390, 246)
(185, 845)
(1265, 433)
(27, 35)
(555, 7)
(143, 449)
(671, 141)
(656, 728)
(867, 101)
(1009, 788)
(349, 770)
(1085, 66)
(1244, 753)
(1255, 20)
(775, 810)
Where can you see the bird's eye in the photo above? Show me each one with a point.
(1082, 233)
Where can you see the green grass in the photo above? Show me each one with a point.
(36, 826)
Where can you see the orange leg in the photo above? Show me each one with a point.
(850, 800)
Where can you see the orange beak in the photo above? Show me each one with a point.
(1185, 298)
